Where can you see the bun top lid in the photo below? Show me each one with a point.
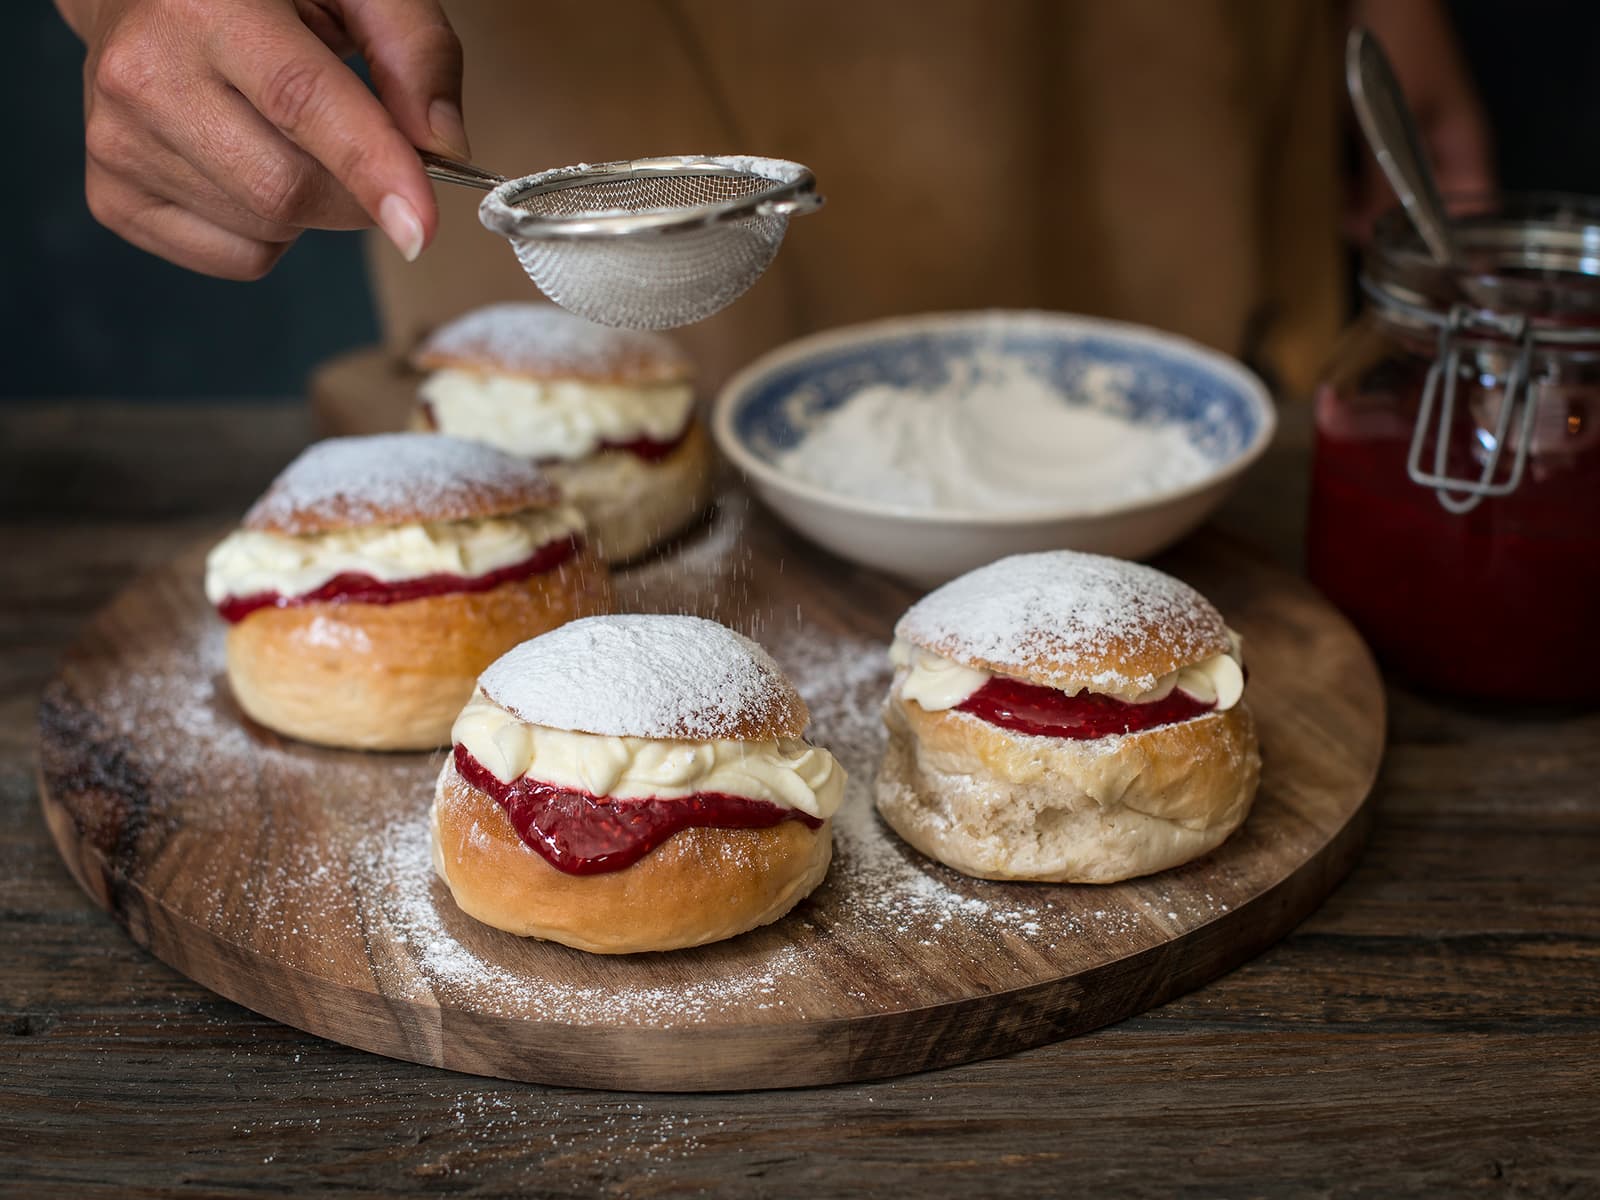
(397, 479)
(543, 342)
(648, 676)
(1075, 622)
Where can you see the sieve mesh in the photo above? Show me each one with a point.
(657, 193)
(651, 244)
(653, 282)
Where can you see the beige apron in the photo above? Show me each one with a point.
(1173, 162)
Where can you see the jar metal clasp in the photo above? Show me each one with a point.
(1456, 493)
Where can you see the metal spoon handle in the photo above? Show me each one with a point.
(1392, 133)
(448, 170)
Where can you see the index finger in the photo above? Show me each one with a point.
(297, 83)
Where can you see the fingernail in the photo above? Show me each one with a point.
(444, 119)
(399, 221)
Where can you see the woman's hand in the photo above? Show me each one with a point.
(216, 133)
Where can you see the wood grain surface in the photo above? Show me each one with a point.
(1431, 1030)
(295, 880)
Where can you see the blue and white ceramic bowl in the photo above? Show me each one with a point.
(772, 405)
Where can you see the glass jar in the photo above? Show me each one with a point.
(1455, 507)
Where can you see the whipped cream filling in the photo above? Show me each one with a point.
(554, 419)
(937, 683)
(788, 772)
(249, 562)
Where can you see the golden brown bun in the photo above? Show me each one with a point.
(1001, 805)
(397, 479)
(541, 341)
(394, 676)
(632, 506)
(1070, 621)
(700, 885)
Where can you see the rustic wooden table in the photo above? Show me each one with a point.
(1434, 1029)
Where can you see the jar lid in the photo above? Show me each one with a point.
(1532, 262)
(1531, 285)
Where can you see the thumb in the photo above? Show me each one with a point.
(415, 60)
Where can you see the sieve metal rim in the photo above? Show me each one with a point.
(792, 191)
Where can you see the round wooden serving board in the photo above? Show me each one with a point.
(296, 881)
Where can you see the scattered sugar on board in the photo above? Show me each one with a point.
(1060, 605)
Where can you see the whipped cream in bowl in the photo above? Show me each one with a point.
(926, 446)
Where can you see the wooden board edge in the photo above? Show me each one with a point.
(847, 1050)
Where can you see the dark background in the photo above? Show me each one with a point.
(85, 314)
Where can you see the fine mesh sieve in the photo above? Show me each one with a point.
(649, 243)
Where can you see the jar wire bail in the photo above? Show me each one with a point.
(1460, 494)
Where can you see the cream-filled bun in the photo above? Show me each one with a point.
(378, 576)
(1068, 718)
(608, 413)
(634, 783)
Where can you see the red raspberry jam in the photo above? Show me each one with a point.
(648, 449)
(360, 588)
(1050, 712)
(590, 835)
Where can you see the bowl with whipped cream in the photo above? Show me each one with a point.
(925, 446)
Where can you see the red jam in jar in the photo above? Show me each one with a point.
(582, 834)
(1499, 595)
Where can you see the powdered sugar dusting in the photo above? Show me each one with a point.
(879, 898)
(1068, 620)
(333, 875)
(644, 675)
(395, 479)
(546, 342)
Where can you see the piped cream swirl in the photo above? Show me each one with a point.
(249, 562)
(788, 772)
(554, 419)
(937, 683)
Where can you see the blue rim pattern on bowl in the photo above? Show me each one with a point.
(1145, 376)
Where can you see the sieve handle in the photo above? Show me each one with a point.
(448, 170)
